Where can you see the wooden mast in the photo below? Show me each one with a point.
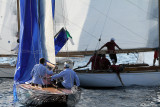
(159, 28)
(18, 18)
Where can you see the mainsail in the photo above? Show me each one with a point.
(133, 23)
(8, 26)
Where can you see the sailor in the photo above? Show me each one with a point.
(68, 75)
(116, 68)
(95, 59)
(104, 62)
(111, 49)
(39, 71)
(156, 56)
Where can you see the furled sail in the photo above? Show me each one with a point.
(133, 23)
(8, 26)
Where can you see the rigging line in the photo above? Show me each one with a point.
(136, 34)
(104, 24)
(112, 20)
(81, 28)
(106, 16)
(141, 8)
(31, 30)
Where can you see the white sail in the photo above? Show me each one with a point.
(133, 23)
(8, 26)
(46, 30)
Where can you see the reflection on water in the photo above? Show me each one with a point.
(134, 96)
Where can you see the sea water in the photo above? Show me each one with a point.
(134, 96)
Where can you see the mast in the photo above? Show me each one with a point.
(18, 18)
(159, 29)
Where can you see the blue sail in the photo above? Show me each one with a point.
(29, 46)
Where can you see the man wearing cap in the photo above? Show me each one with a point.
(111, 49)
(68, 77)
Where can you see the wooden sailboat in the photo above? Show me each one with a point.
(37, 17)
(93, 23)
(35, 95)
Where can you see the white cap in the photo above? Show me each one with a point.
(112, 39)
(66, 65)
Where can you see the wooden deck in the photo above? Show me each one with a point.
(51, 90)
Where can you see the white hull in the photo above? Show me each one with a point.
(7, 72)
(112, 80)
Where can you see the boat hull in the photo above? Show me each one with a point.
(112, 80)
(33, 96)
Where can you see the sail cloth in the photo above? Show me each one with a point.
(29, 48)
(8, 26)
(133, 23)
(46, 29)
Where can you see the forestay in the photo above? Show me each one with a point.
(133, 23)
(8, 26)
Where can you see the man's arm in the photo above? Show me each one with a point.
(32, 72)
(57, 75)
(102, 47)
(118, 47)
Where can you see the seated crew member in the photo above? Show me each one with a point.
(116, 68)
(95, 59)
(68, 75)
(111, 49)
(104, 62)
(38, 72)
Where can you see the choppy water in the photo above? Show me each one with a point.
(134, 96)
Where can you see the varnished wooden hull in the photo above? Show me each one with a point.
(33, 96)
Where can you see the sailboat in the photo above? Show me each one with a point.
(9, 32)
(92, 23)
(37, 41)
